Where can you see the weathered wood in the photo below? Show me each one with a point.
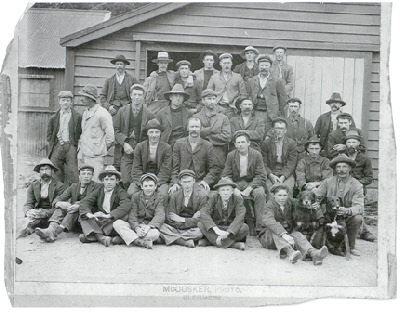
(110, 44)
(327, 82)
(375, 78)
(348, 88)
(374, 96)
(137, 58)
(69, 69)
(102, 53)
(374, 106)
(358, 86)
(373, 134)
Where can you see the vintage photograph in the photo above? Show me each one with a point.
(198, 154)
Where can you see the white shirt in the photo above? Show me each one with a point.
(107, 201)
(63, 132)
(120, 77)
(263, 80)
(244, 160)
(187, 197)
(44, 189)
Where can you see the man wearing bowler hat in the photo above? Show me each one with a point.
(116, 90)
(203, 75)
(248, 68)
(281, 69)
(40, 195)
(63, 133)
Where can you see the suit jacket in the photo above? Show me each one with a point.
(217, 127)
(256, 174)
(200, 76)
(150, 86)
(240, 69)
(202, 157)
(211, 213)
(164, 161)
(363, 170)
(309, 170)
(287, 74)
(72, 193)
(322, 129)
(255, 128)
(152, 213)
(176, 206)
(56, 188)
(74, 125)
(165, 118)
(336, 137)
(289, 156)
(275, 220)
(107, 92)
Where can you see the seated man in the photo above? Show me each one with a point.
(279, 225)
(350, 190)
(246, 168)
(222, 218)
(280, 156)
(314, 168)
(102, 207)
(145, 218)
(67, 204)
(180, 226)
(40, 196)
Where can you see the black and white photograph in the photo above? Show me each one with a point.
(198, 154)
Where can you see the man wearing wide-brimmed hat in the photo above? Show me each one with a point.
(313, 168)
(129, 124)
(39, 199)
(116, 90)
(63, 133)
(157, 85)
(248, 68)
(350, 190)
(152, 156)
(99, 210)
(203, 75)
(97, 131)
(281, 69)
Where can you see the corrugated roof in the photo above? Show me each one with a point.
(40, 30)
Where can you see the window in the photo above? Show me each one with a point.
(35, 91)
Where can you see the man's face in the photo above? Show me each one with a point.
(162, 66)
(242, 144)
(226, 64)
(280, 129)
(85, 176)
(176, 100)
(194, 127)
(65, 103)
(249, 55)
(279, 54)
(313, 150)
(208, 61)
(149, 187)
(120, 67)
(352, 145)
(209, 101)
(87, 101)
(246, 107)
(184, 71)
(344, 124)
(342, 169)
(335, 106)
(110, 182)
(46, 172)
(187, 183)
(264, 67)
(281, 196)
(225, 192)
(137, 97)
(294, 108)
(154, 135)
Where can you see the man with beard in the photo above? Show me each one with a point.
(335, 139)
(222, 218)
(247, 122)
(249, 68)
(129, 124)
(215, 127)
(299, 128)
(183, 213)
(281, 69)
(196, 154)
(66, 205)
(267, 93)
(228, 86)
(350, 190)
(40, 196)
(204, 74)
(313, 168)
(152, 156)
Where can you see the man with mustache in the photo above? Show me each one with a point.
(40, 196)
(248, 68)
(281, 69)
(203, 75)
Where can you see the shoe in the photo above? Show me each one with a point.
(148, 244)
(105, 240)
(117, 240)
(355, 252)
(46, 234)
(204, 243)
(295, 256)
(87, 239)
(30, 230)
(22, 233)
(185, 243)
(159, 241)
(368, 236)
(238, 245)
(318, 255)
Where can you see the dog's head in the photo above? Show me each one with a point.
(332, 203)
(306, 199)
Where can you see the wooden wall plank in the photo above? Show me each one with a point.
(348, 89)
(137, 58)
(358, 91)
(338, 74)
(327, 83)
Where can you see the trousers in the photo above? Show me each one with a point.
(65, 159)
(65, 218)
(170, 234)
(269, 240)
(126, 168)
(230, 240)
(96, 162)
(31, 221)
(91, 226)
(126, 232)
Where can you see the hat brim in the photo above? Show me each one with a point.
(156, 60)
(185, 95)
(233, 185)
(279, 47)
(333, 163)
(113, 61)
(243, 52)
(37, 167)
(105, 173)
(332, 101)
(82, 93)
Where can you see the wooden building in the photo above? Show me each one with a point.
(332, 47)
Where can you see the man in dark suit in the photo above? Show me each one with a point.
(63, 133)
(66, 205)
(222, 218)
(248, 68)
(102, 207)
(183, 213)
(40, 196)
(145, 217)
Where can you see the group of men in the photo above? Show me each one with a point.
(195, 154)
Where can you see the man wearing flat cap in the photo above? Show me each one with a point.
(66, 205)
(222, 218)
(228, 86)
(183, 214)
(40, 196)
(97, 132)
(129, 124)
(281, 69)
(145, 217)
(116, 90)
(63, 133)
(267, 93)
(203, 75)
(101, 208)
(248, 68)
(350, 190)
(152, 156)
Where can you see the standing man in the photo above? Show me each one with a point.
(97, 131)
(63, 133)
(116, 90)
(204, 74)
(267, 93)
(281, 69)
(129, 124)
(248, 68)
(215, 127)
(228, 86)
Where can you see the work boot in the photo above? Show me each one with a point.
(293, 255)
(50, 233)
(105, 240)
(238, 245)
(28, 230)
(355, 252)
(368, 236)
(117, 240)
(185, 243)
(148, 244)
(87, 239)
(204, 242)
(318, 255)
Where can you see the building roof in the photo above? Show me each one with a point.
(40, 30)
